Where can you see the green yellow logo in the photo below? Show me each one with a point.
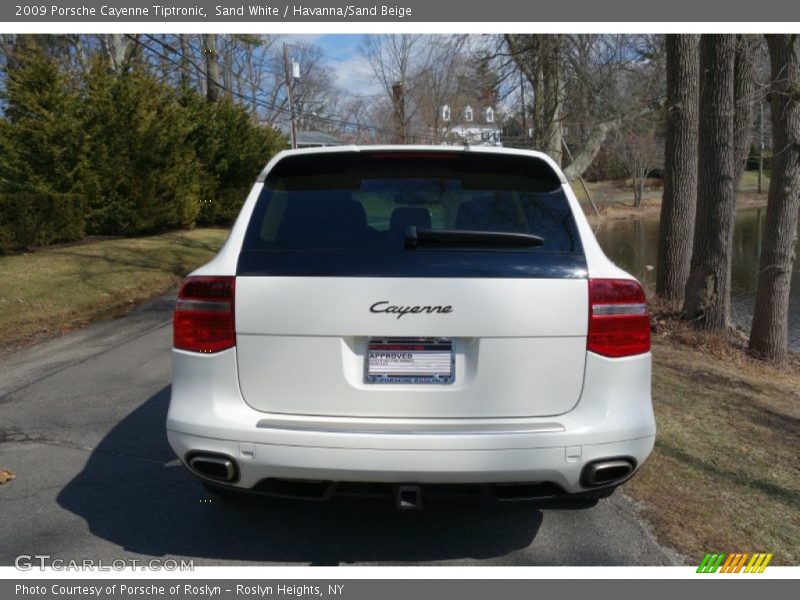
(736, 562)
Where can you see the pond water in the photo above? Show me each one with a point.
(633, 244)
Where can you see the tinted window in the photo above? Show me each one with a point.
(356, 208)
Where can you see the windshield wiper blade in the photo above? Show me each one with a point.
(416, 237)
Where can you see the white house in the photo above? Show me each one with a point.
(476, 127)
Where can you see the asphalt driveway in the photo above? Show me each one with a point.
(82, 427)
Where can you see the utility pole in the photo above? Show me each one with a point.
(761, 143)
(399, 101)
(289, 88)
(524, 110)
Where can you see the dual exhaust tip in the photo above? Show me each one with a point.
(598, 473)
(607, 471)
(216, 467)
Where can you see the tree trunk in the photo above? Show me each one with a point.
(594, 143)
(552, 96)
(539, 58)
(227, 70)
(744, 92)
(680, 168)
(747, 50)
(638, 187)
(769, 334)
(583, 159)
(707, 300)
(119, 49)
(80, 56)
(538, 112)
(185, 82)
(212, 66)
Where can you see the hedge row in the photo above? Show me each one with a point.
(222, 210)
(29, 219)
(145, 156)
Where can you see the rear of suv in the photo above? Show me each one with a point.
(408, 316)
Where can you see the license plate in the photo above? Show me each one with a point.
(409, 360)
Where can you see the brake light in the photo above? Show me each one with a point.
(203, 320)
(619, 322)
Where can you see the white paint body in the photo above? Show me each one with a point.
(529, 402)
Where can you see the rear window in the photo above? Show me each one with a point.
(350, 214)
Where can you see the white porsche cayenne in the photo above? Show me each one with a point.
(403, 318)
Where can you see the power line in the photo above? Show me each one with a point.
(272, 106)
(414, 135)
(255, 101)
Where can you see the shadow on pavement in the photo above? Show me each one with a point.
(133, 493)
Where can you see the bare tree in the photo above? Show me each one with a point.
(707, 298)
(365, 120)
(541, 60)
(769, 333)
(253, 68)
(552, 87)
(183, 44)
(394, 60)
(745, 98)
(420, 74)
(119, 48)
(680, 168)
(212, 66)
(315, 95)
(639, 149)
(449, 78)
(593, 84)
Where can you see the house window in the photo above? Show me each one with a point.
(468, 114)
(446, 113)
(489, 115)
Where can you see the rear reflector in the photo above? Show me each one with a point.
(619, 322)
(203, 320)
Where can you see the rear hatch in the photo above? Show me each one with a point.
(412, 284)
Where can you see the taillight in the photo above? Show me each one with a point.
(619, 323)
(203, 320)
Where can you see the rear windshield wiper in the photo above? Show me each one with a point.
(416, 237)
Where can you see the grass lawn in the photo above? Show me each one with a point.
(614, 199)
(724, 475)
(620, 191)
(59, 288)
(749, 181)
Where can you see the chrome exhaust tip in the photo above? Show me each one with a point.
(214, 466)
(609, 471)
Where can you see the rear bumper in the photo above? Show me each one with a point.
(613, 418)
(552, 465)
